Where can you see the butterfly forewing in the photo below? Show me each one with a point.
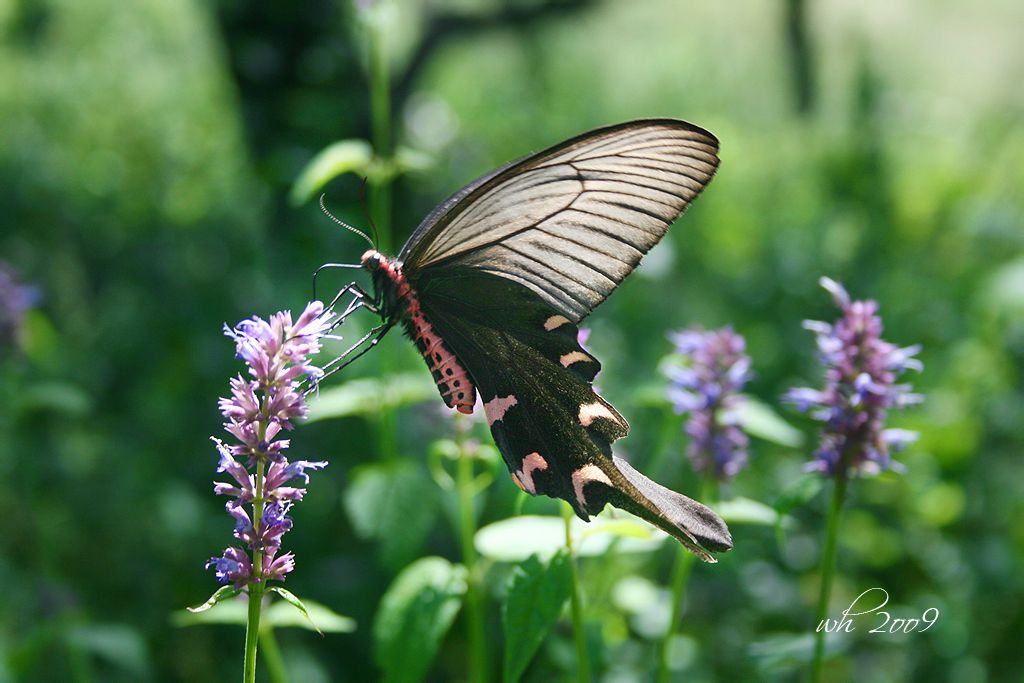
(571, 222)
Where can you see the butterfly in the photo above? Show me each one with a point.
(494, 282)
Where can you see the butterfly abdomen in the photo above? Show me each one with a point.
(452, 380)
(456, 387)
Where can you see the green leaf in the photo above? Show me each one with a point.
(536, 596)
(746, 511)
(316, 617)
(293, 600)
(395, 504)
(799, 493)
(760, 420)
(369, 395)
(414, 615)
(517, 538)
(345, 156)
(226, 612)
(222, 593)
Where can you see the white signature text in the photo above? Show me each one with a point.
(884, 621)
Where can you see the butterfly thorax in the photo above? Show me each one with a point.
(398, 300)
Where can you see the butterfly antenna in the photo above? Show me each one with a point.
(323, 207)
(366, 211)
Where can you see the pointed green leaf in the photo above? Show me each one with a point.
(414, 615)
(222, 593)
(370, 395)
(345, 156)
(294, 601)
(536, 595)
(395, 504)
(316, 617)
(760, 420)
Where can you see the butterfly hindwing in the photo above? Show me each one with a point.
(553, 430)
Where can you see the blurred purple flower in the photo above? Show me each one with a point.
(277, 353)
(15, 299)
(860, 387)
(708, 386)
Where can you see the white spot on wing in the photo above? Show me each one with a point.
(573, 357)
(497, 407)
(584, 476)
(592, 411)
(554, 322)
(524, 476)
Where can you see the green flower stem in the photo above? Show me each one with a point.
(271, 653)
(680, 576)
(252, 629)
(828, 568)
(380, 114)
(475, 631)
(578, 627)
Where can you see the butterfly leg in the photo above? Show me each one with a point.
(359, 296)
(346, 359)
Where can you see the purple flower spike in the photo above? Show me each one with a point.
(708, 387)
(259, 409)
(860, 388)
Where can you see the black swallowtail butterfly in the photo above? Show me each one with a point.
(491, 287)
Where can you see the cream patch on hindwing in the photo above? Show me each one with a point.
(555, 321)
(524, 477)
(574, 357)
(593, 411)
(496, 408)
(584, 476)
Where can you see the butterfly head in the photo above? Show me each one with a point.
(372, 260)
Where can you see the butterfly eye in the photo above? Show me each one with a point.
(372, 260)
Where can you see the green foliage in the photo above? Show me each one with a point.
(414, 615)
(345, 156)
(369, 396)
(518, 538)
(537, 592)
(394, 504)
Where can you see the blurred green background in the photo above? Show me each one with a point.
(147, 153)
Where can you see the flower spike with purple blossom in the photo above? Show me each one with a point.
(259, 409)
(860, 388)
(708, 387)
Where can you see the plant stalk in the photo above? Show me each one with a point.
(252, 629)
(381, 133)
(578, 626)
(475, 628)
(271, 654)
(828, 566)
(680, 577)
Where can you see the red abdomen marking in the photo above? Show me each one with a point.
(457, 389)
